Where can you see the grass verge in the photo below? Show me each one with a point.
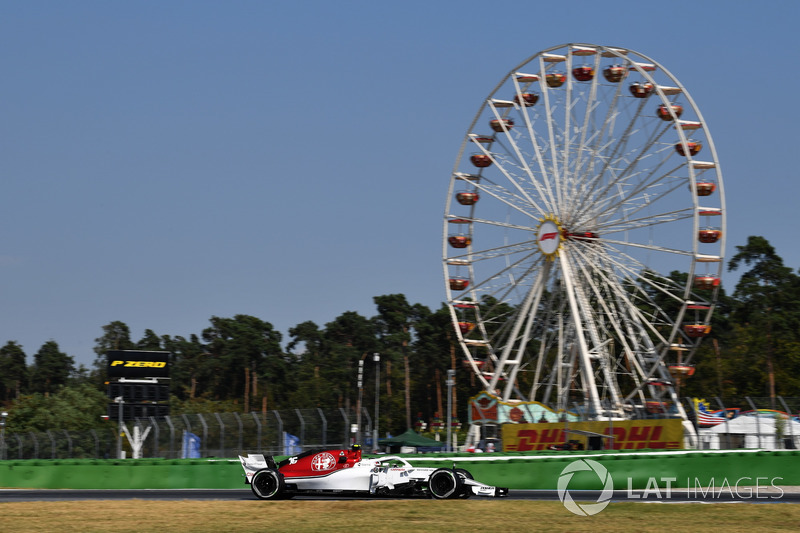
(384, 515)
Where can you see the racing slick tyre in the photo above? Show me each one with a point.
(466, 490)
(444, 483)
(267, 484)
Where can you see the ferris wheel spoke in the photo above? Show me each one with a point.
(522, 321)
(635, 201)
(637, 271)
(519, 161)
(507, 272)
(594, 324)
(611, 227)
(510, 199)
(495, 224)
(551, 127)
(505, 251)
(628, 183)
(649, 247)
(543, 185)
(627, 309)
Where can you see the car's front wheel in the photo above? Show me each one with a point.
(466, 490)
(267, 484)
(444, 483)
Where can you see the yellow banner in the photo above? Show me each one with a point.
(627, 435)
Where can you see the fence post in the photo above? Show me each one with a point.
(221, 435)
(727, 427)
(241, 430)
(758, 419)
(302, 429)
(258, 430)
(324, 427)
(156, 435)
(789, 423)
(365, 413)
(186, 423)
(204, 443)
(52, 444)
(69, 444)
(96, 443)
(346, 428)
(280, 431)
(168, 420)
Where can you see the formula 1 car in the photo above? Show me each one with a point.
(343, 471)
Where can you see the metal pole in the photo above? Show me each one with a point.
(3, 417)
(789, 422)
(360, 395)
(119, 401)
(451, 374)
(377, 358)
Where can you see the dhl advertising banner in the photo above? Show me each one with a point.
(627, 434)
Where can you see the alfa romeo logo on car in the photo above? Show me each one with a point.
(323, 461)
(585, 465)
(548, 236)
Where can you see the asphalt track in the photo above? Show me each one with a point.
(718, 495)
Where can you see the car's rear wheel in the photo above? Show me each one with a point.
(267, 484)
(444, 483)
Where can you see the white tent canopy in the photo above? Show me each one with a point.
(751, 432)
(755, 425)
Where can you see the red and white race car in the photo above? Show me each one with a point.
(343, 471)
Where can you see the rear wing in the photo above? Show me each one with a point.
(254, 462)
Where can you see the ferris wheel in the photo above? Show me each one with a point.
(584, 233)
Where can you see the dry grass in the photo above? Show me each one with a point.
(383, 515)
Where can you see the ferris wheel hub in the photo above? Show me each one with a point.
(548, 236)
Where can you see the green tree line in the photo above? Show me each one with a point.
(242, 363)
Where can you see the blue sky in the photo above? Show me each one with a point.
(165, 162)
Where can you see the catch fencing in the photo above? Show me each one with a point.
(198, 435)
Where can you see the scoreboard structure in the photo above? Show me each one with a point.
(138, 384)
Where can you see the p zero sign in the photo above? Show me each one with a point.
(137, 364)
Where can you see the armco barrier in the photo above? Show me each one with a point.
(125, 474)
(629, 470)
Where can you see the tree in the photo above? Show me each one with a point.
(768, 305)
(187, 368)
(149, 342)
(434, 352)
(13, 371)
(307, 349)
(51, 368)
(76, 408)
(395, 320)
(241, 349)
(349, 338)
(116, 336)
